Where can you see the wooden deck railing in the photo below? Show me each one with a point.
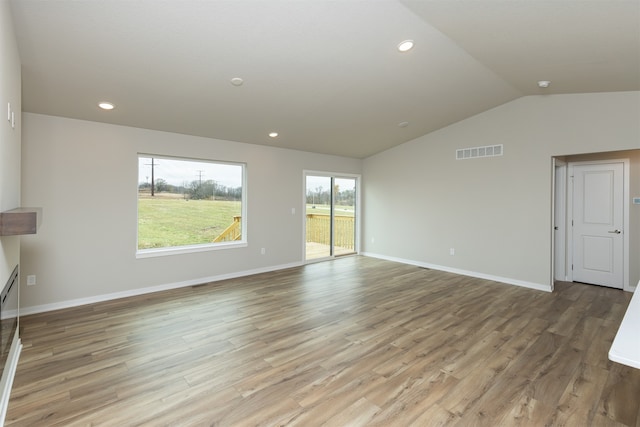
(232, 232)
(318, 230)
(319, 227)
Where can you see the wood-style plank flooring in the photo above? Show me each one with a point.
(352, 342)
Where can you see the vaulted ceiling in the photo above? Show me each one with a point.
(325, 74)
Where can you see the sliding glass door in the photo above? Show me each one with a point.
(331, 216)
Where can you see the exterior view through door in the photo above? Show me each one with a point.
(330, 216)
(598, 224)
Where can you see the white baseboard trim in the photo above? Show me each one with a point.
(509, 281)
(8, 375)
(24, 311)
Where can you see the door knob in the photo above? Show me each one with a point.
(615, 231)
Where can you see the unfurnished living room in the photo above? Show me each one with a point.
(320, 212)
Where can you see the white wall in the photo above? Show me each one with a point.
(495, 212)
(84, 176)
(10, 89)
(418, 201)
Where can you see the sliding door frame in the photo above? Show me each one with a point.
(357, 212)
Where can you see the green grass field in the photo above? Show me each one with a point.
(326, 210)
(166, 222)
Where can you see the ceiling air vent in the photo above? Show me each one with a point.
(475, 152)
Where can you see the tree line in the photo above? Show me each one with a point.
(196, 190)
(321, 196)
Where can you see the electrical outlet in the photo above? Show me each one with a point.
(452, 251)
(31, 280)
(373, 240)
(263, 251)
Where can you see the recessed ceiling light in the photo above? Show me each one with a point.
(405, 46)
(544, 83)
(403, 124)
(273, 134)
(237, 81)
(106, 105)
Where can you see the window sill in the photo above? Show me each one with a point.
(152, 253)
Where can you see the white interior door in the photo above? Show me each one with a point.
(598, 220)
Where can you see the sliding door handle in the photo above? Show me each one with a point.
(615, 231)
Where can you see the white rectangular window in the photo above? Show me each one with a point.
(187, 205)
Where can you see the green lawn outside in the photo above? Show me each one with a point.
(167, 222)
(326, 210)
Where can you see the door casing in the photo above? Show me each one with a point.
(559, 226)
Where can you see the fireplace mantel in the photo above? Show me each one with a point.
(20, 221)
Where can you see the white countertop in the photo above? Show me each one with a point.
(626, 345)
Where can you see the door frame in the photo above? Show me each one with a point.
(357, 214)
(625, 212)
(559, 221)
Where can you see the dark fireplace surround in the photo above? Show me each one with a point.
(8, 316)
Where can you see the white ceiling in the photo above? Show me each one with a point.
(325, 74)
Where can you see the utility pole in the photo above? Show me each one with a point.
(199, 192)
(153, 164)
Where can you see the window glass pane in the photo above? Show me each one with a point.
(344, 224)
(318, 225)
(186, 202)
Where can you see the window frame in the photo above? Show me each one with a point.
(202, 247)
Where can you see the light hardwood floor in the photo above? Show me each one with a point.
(353, 342)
